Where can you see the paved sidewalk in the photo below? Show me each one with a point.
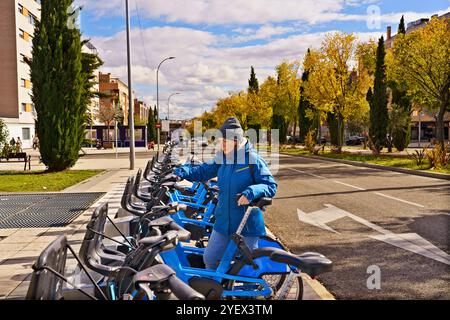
(94, 159)
(21, 247)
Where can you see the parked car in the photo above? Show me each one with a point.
(291, 139)
(354, 141)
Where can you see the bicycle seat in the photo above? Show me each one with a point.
(154, 275)
(170, 237)
(168, 184)
(170, 177)
(311, 263)
(161, 222)
(261, 202)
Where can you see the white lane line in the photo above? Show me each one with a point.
(382, 195)
(349, 185)
(309, 174)
(358, 188)
(401, 200)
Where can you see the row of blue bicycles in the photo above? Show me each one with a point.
(152, 249)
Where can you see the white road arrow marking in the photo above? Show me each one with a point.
(408, 241)
(321, 217)
(414, 243)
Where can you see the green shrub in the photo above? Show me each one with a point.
(419, 156)
(439, 156)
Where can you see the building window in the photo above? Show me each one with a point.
(32, 19)
(25, 83)
(22, 58)
(24, 11)
(26, 107)
(25, 35)
(26, 133)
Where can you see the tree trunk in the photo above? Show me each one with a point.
(440, 126)
(295, 128)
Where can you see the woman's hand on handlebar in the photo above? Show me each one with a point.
(243, 201)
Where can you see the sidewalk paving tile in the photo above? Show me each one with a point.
(18, 240)
(6, 287)
(8, 232)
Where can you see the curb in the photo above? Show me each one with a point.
(314, 284)
(318, 288)
(75, 186)
(435, 175)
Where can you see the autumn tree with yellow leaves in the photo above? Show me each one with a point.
(335, 88)
(422, 60)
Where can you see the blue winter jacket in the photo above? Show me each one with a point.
(235, 176)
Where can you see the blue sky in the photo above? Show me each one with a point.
(216, 41)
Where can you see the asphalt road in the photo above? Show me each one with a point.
(377, 203)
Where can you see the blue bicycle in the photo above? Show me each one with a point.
(243, 273)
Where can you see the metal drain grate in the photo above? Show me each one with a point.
(43, 210)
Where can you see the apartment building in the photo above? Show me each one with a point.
(141, 111)
(411, 26)
(17, 24)
(17, 20)
(116, 92)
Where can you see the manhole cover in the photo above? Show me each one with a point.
(43, 210)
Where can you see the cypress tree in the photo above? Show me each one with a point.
(402, 135)
(378, 101)
(253, 85)
(280, 123)
(61, 75)
(305, 123)
(401, 26)
(253, 89)
(151, 126)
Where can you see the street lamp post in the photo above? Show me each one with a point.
(92, 120)
(130, 96)
(157, 101)
(168, 110)
(420, 126)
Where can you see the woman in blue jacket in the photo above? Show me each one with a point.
(239, 169)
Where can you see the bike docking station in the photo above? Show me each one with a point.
(152, 249)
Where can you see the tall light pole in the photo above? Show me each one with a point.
(168, 110)
(130, 95)
(168, 104)
(420, 127)
(157, 101)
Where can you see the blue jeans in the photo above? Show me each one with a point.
(217, 245)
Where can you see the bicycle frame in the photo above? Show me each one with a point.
(177, 259)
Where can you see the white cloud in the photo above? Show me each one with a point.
(245, 12)
(207, 66)
(219, 12)
(202, 71)
(266, 31)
